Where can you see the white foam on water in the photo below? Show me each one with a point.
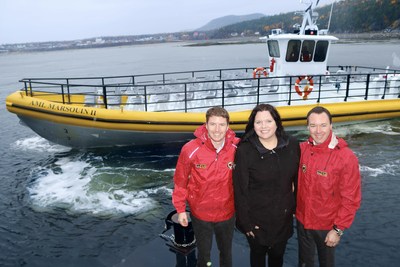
(388, 168)
(38, 144)
(162, 189)
(69, 185)
(383, 127)
(151, 170)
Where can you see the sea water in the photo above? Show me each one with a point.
(106, 207)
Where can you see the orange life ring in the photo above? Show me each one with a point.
(258, 71)
(307, 89)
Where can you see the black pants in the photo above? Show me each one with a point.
(204, 232)
(259, 252)
(311, 240)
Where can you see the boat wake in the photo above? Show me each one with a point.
(85, 184)
(39, 144)
(386, 127)
(384, 169)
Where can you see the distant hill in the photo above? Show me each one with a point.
(228, 20)
(348, 16)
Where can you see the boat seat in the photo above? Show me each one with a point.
(134, 95)
(135, 99)
(113, 101)
(231, 93)
(181, 96)
(159, 94)
(252, 91)
(98, 97)
(189, 95)
(274, 86)
(210, 90)
(177, 91)
(230, 90)
(160, 98)
(209, 94)
(191, 88)
(90, 100)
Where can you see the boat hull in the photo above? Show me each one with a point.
(92, 137)
(88, 127)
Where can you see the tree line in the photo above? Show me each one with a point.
(348, 16)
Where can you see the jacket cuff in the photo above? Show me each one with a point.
(180, 209)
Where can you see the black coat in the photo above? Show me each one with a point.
(263, 186)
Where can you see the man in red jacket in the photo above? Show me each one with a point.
(203, 179)
(329, 190)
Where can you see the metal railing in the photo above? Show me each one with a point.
(231, 88)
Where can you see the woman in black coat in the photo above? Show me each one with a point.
(265, 176)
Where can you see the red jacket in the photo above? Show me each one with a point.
(329, 185)
(203, 178)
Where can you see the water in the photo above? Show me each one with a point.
(106, 207)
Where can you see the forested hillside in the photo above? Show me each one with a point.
(348, 16)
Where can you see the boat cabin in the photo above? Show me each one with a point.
(303, 51)
(291, 54)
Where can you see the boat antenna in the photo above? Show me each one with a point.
(330, 16)
(309, 2)
(307, 17)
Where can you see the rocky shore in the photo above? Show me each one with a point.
(343, 38)
(370, 36)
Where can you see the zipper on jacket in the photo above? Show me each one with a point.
(329, 158)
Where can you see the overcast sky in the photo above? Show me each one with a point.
(57, 20)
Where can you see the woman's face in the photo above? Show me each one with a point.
(264, 125)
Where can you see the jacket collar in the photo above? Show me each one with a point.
(255, 141)
(331, 142)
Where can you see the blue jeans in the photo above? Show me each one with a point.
(309, 242)
(204, 231)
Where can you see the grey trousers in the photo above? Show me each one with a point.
(311, 241)
(204, 232)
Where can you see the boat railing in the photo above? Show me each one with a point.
(233, 89)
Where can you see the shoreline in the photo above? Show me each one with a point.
(343, 38)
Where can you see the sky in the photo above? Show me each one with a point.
(23, 21)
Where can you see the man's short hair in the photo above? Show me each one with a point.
(320, 110)
(218, 112)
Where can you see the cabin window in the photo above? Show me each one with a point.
(320, 51)
(273, 48)
(307, 50)
(293, 50)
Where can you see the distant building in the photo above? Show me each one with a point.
(99, 41)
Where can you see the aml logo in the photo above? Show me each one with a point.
(201, 166)
(322, 173)
(231, 165)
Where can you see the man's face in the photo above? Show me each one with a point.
(319, 127)
(217, 128)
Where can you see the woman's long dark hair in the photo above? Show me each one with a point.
(280, 132)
